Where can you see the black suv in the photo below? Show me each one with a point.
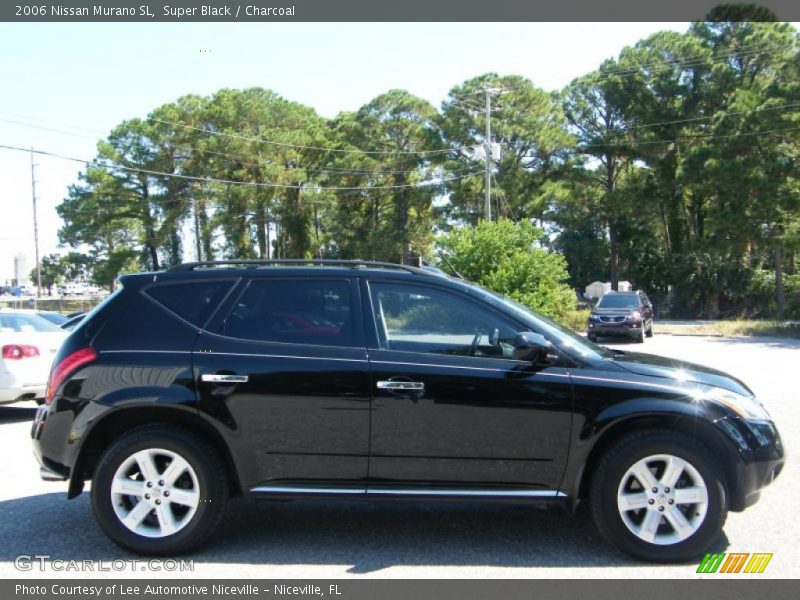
(628, 314)
(377, 381)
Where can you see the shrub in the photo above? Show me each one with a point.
(506, 258)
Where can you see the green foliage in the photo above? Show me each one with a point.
(52, 271)
(507, 258)
(673, 165)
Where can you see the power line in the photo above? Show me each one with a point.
(708, 117)
(692, 137)
(314, 188)
(635, 70)
(302, 146)
(354, 171)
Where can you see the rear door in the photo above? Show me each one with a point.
(286, 373)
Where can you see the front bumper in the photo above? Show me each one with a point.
(761, 458)
(622, 329)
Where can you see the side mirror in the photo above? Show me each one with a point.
(531, 347)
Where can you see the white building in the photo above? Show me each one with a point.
(597, 289)
(21, 269)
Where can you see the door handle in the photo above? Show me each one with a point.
(402, 386)
(218, 378)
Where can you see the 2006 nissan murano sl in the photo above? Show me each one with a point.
(348, 379)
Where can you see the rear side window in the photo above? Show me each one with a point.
(294, 312)
(194, 301)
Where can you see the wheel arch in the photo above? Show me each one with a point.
(704, 432)
(119, 421)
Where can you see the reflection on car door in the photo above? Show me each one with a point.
(287, 373)
(452, 409)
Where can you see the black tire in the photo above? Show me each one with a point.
(592, 337)
(611, 469)
(210, 474)
(639, 339)
(650, 331)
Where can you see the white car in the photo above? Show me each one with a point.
(28, 344)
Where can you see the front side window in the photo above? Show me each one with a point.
(294, 312)
(423, 319)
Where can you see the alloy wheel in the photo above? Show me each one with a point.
(662, 499)
(155, 492)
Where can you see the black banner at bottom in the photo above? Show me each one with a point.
(387, 589)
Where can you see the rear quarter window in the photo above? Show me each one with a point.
(192, 301)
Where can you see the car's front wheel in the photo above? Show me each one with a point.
(159, 490)
(658, 495)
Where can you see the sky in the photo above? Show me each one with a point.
(65, 86)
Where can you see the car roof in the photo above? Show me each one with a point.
(358, 269)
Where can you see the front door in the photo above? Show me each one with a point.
(452, 409)
(286, 374)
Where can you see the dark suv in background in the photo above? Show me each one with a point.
(379, 381)
(628, 314)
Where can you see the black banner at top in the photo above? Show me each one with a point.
(373, 10)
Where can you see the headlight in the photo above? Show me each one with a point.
(746, 407)
(635, 315)
(594, 317)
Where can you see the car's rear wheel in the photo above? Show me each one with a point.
(159, 490)
(658, 495)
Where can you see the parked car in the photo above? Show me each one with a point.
(73, 289)
(418, 386)
(56, 318)
(28, 344)
(72, 321)
(628, 314)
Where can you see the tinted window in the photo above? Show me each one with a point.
(422, 319)
(194, 301)
(618, 301)
(294, 312)
(21, 323)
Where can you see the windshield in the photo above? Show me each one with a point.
(562, 337)
(619, 301)
(19, 323)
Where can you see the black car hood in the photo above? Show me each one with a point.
(669, 368)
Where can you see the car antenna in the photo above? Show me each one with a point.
(447, 262)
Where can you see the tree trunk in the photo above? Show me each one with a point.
(197, 235)
(613, 255)
(260, 220)
(779, 293)
(149, 228)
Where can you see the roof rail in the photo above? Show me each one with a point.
(354, 264)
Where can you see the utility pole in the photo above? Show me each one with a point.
(487, 150)
(36, 229)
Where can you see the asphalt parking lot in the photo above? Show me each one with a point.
(409, 540)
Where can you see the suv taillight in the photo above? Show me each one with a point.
(18, 352)
(66, 367)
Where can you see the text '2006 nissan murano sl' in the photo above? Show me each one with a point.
(347, 379)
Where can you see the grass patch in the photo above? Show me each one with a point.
(576, 320)
(786, 329)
